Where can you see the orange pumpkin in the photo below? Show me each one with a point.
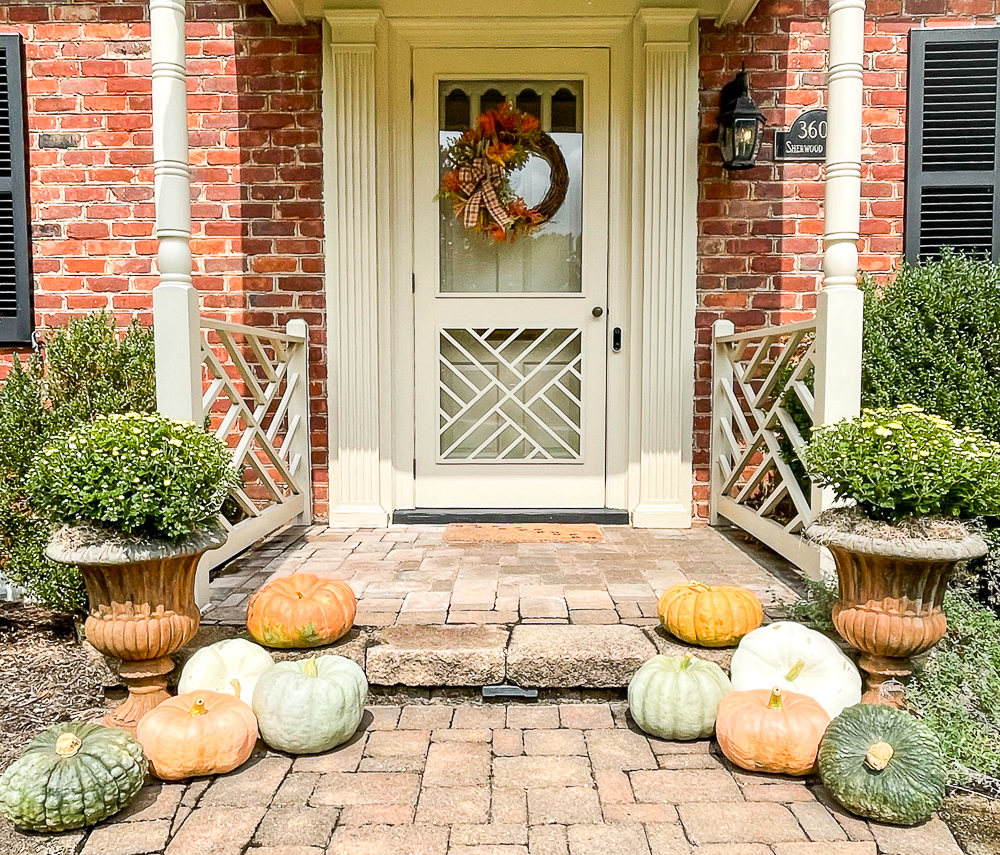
(767, 730)
(301, 610)
(709, 616)
(200, 733)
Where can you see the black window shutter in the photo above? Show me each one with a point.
(952, 136)
(16, 309)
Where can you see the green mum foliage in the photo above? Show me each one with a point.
(142, 475)
(930, 339)
(902, 462)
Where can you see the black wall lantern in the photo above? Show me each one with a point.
(741, 125)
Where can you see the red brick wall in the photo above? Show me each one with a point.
(760, 231)
(255, 128)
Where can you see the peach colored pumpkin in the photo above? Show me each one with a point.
(200, 733)
(768, 730)
(709, 616)
(301, 610)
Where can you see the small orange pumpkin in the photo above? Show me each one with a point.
(767, 730)
(301, 610)
(709, 616)
(200, 733)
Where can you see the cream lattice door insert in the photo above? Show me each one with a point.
(511, 339)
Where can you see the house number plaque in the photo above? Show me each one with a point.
(804, 140)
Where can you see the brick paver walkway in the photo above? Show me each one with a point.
(464, 777)
(518, 779)
(409, 575)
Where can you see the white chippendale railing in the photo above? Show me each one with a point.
(762, 402)
(256, 399)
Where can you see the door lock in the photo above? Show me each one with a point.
(597, 311)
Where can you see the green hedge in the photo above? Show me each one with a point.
(932, 338)
(88, 370)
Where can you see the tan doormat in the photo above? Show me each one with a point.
(523, 533)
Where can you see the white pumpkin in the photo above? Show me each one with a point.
(799, 659)
(310, 705)
(230, 667)
(677, 697)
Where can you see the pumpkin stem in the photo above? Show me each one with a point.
(68, 744)
(795, 670)
(309, 668)
(236, 686)
(199, 707)
(774, 703)
(685, 663)
(878, 756)
(695, 584)
(299, 594)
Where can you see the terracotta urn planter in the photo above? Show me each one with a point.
(142, 606)
(890, 598)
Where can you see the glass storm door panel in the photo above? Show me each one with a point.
(511, 336)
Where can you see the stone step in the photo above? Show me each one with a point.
(539, 656)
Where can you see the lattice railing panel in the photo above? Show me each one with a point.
(763, 408)
(254, 400)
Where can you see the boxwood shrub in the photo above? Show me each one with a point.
(931, 339)
(88, 369)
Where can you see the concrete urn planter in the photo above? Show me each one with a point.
(142, 606)
(890, 599)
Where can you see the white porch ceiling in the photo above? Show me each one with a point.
(724, 12)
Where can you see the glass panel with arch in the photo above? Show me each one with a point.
(548, 260)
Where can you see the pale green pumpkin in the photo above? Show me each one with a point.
(882, 763)
(677, 697)
(72, 775)
(310, 705)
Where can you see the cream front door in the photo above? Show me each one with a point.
(511, 338)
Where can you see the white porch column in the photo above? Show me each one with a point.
(349, 88)
(667, 60)
(176, 305)
(839, 313)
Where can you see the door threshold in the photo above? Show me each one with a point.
(444, 516)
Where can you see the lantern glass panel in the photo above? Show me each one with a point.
(726, 143)
(746, 140)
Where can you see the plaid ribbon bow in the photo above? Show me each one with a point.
(478, 183)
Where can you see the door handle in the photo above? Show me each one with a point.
(597, 311)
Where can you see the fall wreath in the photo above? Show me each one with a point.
(479, 165)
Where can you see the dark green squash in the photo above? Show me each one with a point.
(72, 775)
(882, 763)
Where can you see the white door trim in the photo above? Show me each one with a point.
(654, 60)
(356, 401)
(666, 203)
(404, 37)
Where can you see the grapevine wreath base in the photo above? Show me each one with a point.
(480, 164)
